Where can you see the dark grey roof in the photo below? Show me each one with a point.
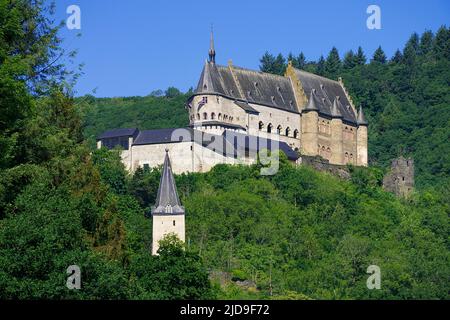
(227, 144)
(254, 144)
(312, 102)
(113, 133)
(326, 90)
(361, 117)
(157, 136)
(248, 86)
(246, 107)
(167, 200)
(335, 109)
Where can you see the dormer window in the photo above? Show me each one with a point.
(273, 99)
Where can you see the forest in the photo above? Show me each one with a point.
(299, 234)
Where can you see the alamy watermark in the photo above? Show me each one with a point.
(374, 280)
(74, 20)
(74, 279)
(374, 20)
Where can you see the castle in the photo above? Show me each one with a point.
(234, 113)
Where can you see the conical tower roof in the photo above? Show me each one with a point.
(361, 117)
(312, 103)
(335, 113)
(167, 200)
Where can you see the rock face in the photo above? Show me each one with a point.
(400, 179)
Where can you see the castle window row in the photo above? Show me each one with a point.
(286, 132)
(212, 116)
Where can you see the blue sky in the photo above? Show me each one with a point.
(134, 47)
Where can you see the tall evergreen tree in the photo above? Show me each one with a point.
(379, 56)
(267, 63)
(441, 45)
(333, 63)
(301, 61)
(320, 67)
(426, 42)
(411, 50)
(280, 65)
(360, 58)
(349, 60)
(398, 57)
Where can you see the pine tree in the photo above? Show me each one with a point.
(301, 61)
(267, 63)
(349, 60)
(280, 65)
(379, 56)
(272, 64)
(333, 63)
(426, 43)
(411, 49)
(441, 45)
(360, 57)
(320, 67)
(398, 57)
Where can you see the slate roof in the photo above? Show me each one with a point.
(361, 117)
(254, 144)
(114, 133)
(227, 144)
(248, 86)
(167, 200)
(326, 91)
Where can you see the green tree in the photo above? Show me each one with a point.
(360, 58)
(333, 63)
(379, 56)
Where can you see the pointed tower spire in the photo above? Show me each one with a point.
(312, 106)
(212, 52)
(167, 200)
(361, 117)
(335, 112)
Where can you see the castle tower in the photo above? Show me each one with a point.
(310, 126)
(361, 139)
(400, 179)
(168, 214)
(337, 139)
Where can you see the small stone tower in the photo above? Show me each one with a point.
(361, 139)
(168, 214)
(310, 119)
(400, 179)
(337, 132)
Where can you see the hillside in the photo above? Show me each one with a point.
(406, 100)
(298, 234)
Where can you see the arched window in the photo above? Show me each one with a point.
(198, 116)
(279, 128)
(261, 125)
(346, 157)
(205, 116)
(220, 116)
(296, 133)
(328, 153)
(213, 116)
(269, 128)
(323, 152)
(288, 130)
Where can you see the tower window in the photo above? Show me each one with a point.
(174, 223)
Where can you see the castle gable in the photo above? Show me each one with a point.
(326, 91)
(248, 85)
